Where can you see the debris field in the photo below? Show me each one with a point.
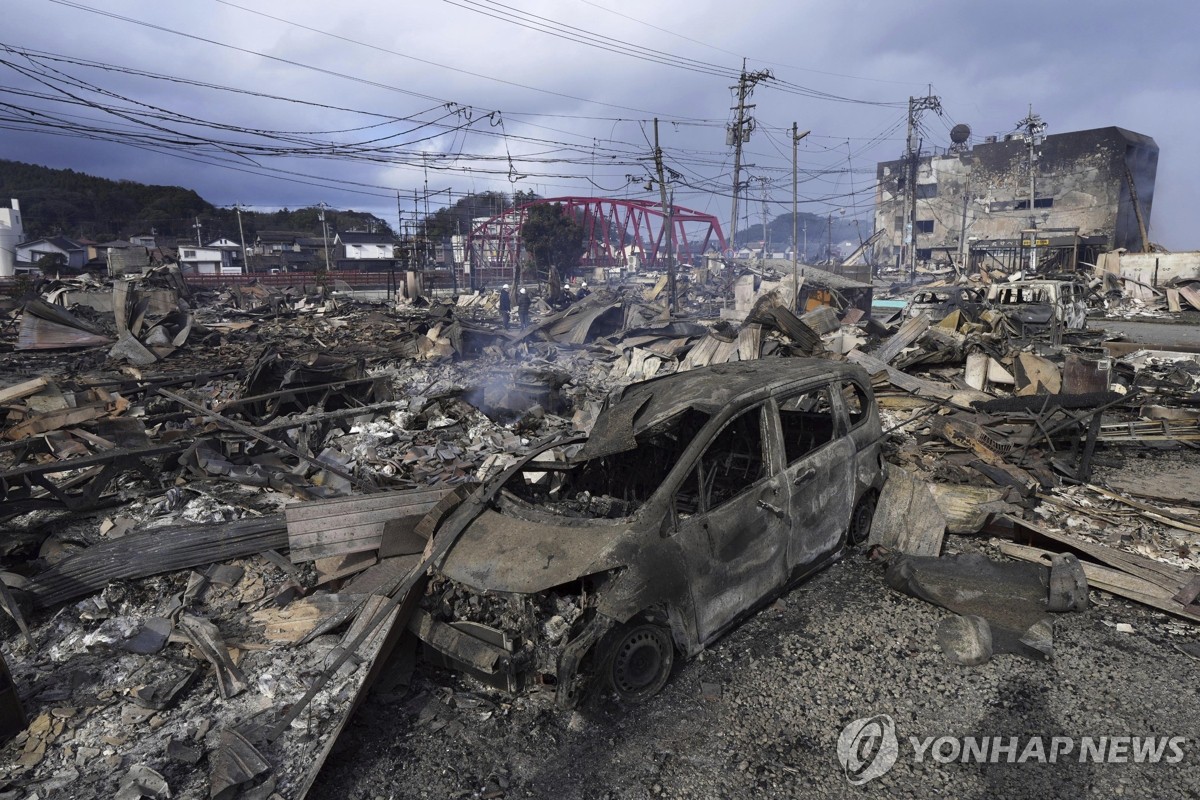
(226, 513)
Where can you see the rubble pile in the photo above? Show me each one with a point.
(216, 503)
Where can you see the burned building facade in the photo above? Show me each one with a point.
(1091, 192)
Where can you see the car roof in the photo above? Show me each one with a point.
(708, 389)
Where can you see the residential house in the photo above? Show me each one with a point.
(273, 242)
(69, 253)
(235, 249)
(207, 261)
(370, 252)
(361, 245)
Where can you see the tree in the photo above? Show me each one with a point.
(552, 236)
(50, 264)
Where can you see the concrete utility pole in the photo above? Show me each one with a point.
(242, 236)
(324, 234)
(197, 227)
(766, 251)
(1033, 126)
(912, 156)
(796, 137)
(738, 133)
(668, 221)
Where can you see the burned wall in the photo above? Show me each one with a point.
(1081, 181)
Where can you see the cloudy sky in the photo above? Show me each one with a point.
(278, 103)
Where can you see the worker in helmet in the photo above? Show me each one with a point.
(505, 305)
(523, 306)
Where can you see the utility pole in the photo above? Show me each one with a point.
(739, 133)
(197, 227)
(796, 137)
(242, 236)
(912, 156)
(667, 220)
(1033, 126)
(324, 234)
(399, 216)
(425, 219)
(766, 233)
(962, 235)
(417, 210)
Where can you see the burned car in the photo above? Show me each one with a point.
(941, 303)
(1041, 306)
(698, 497)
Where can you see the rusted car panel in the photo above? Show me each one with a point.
(699, 496)
(1038, 306)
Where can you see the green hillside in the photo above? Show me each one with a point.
(69, 203)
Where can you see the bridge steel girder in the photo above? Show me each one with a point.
(494, 246)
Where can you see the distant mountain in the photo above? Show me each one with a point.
(69, 203)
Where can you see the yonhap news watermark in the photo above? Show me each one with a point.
(869, 747)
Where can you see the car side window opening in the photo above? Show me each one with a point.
(856, 402)
(732, 463)
(808, 422)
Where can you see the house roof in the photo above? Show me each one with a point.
(280, 236)
(61, 242)
(362, 237)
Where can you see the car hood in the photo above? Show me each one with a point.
(503, 553)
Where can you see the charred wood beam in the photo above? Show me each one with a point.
(366, 486)
(139, 554)
(17, 486)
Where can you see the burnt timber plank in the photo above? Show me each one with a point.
(154, 551)
(354, 524)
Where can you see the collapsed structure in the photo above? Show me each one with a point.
(230, 513)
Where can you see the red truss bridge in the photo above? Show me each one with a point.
(616, 232)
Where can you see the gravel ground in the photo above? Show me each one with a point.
(759, 714)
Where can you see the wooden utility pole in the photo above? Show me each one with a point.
(738, 133)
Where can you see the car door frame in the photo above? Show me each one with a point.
(736, 553)
(818, 524)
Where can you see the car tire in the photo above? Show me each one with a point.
(860, 519)
(638, 660)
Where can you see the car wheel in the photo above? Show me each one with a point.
(639, 661)
(860, 520)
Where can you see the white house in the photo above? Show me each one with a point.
(207, 261)
(11, 232)
(359, 245)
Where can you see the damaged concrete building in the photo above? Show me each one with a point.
(1092, 192)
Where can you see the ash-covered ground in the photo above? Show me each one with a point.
(759, 714)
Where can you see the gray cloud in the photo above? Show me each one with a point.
(1080, 65)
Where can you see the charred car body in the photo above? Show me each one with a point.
(941, 303)
(698, 497)
(1041, 306)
